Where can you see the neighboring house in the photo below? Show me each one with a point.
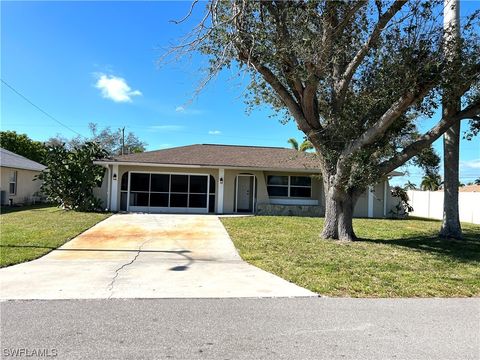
(17, 180)
(225, 179)
(470, 188)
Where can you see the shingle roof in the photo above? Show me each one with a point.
(226, 156)
(12, 160)
(469, 188)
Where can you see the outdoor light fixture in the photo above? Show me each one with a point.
(221, 180)
(114, 176)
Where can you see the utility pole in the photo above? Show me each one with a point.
(123, 140)
(451, 139)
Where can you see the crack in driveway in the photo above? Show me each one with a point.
(117, 271)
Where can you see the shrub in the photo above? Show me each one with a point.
(71, 176)
(402, 209)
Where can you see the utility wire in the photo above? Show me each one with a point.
(37, 107)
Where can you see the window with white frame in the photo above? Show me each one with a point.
(289, 186)
(12, 183)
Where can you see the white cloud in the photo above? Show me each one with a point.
(471, 164)
(166, 128)
(115, 88)
(188, 111)
(214, 132)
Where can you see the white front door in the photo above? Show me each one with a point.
(245, 193)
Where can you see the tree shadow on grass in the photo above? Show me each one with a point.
(465, 250)
(36, 207)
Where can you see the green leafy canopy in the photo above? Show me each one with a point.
(356, 76)
(71, 176)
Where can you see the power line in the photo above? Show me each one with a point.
(38, 108)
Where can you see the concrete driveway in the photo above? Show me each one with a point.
(145, 256)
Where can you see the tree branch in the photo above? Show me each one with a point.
(176, 22)
(294, 108)
(397, 109)
(428, 138)
(350, 13)
(342, 84)
(283, 35)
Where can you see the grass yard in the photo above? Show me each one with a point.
(396, 258)
(30, 232)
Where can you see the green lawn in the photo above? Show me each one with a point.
(30, 232)
(396, 258)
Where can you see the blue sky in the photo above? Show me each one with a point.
(96, 62)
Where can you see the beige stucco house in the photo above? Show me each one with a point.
(17, 179)
(225, 179)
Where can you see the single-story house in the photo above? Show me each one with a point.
(17, 180)
(225, 179)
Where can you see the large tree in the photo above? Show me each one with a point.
(110, 140)
(22, 145)
(451, 103)
(356, 76)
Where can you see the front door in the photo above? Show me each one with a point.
(245, 193)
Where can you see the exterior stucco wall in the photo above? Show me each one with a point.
(26, 185)
(262, 198)
(102, 191)
(361, 207)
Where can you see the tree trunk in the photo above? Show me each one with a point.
(451, 220)
(338, 216)
(451, 138)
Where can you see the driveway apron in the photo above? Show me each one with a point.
(145, 256)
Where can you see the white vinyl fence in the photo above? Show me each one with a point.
(429, 204)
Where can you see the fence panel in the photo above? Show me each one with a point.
(429, 204)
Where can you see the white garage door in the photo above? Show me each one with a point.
(160, 192)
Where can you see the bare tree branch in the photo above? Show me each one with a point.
(342, 85)
(428, 138)
(176, 22)
(284, 94)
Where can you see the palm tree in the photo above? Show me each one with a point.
(410, 186)
(431, 182)
(293, 142)
(304, 146)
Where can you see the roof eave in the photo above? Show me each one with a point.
(192, 166)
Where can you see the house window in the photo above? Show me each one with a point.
(289, 186)
(13, 183)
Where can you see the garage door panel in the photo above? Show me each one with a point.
(154, 192)
(197, 200)
(138, 199)
(179, 183)
(139, 182)
(160, 183)
(159, 200)
(198, 184)
(178, 200)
